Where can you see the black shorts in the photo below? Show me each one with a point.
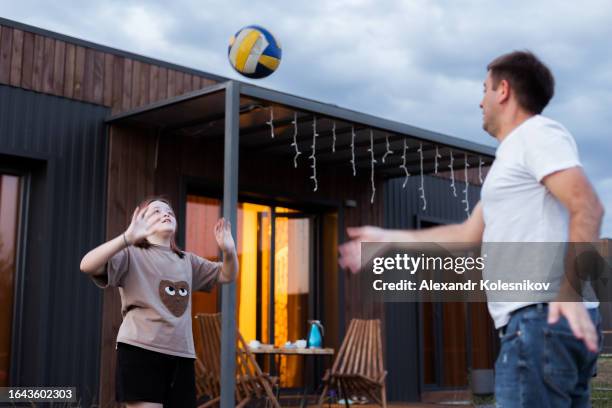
(148, 376)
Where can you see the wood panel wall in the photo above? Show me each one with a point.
(35, 62)
(130, 179)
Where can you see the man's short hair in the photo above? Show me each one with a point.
(531, 80)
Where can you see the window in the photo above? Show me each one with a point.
(9, 223)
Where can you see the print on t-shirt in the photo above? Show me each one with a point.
(175, 296)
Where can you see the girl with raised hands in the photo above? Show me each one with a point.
(155, 350)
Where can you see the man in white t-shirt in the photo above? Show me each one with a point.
(535, 192)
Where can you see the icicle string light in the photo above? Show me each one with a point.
(480, 163)
(465, 190)
(389, 151)
(452, 172)
(403, 165)
(271, 122)
(295, 144)
(334, 137)
(312, 156)
(422, 187)
(437, 156)
(372, 162)
(353, 150)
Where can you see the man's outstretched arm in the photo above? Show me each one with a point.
(470, 230)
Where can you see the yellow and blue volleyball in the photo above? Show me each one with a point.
(254, 52)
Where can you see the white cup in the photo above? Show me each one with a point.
(300, 343)
(254, 344)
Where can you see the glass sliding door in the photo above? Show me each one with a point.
(274, 283)
(292, 274)
(275, 251)
(288, 275)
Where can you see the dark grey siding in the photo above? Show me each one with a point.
(59, 146)
(403, 209)
(605, 309)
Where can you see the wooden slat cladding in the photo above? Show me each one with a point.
(108, 79)
(6, 47)
(154, 82)
(37, 63)
(98, 77)
(27, 63)
(68, 85)
(50, 65)
(131, 164)
(16, 58)
(127, 85)
(59, 67)
(48, 62)
(135, 83)
(79, 73)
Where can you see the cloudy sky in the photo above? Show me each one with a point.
(416, 61)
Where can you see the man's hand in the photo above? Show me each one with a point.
(350, 252)
(578, 319)
(470, 230)
(572, 188)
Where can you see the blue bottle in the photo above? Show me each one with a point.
(315, 337)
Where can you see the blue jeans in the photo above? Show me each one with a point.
(542, 365)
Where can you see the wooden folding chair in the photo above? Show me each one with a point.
(251, 382)
(358, 369)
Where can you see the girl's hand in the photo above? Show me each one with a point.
(223, 235)
(142, 225)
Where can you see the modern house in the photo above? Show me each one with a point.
(87, 131)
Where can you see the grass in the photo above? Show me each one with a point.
(601, 386)
(480, 400)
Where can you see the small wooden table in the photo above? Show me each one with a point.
(294, 351)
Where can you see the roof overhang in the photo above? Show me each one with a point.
(201, 113)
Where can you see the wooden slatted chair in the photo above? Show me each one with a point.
(251, 382)
(358, 369)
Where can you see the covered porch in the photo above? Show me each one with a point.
(239, 143)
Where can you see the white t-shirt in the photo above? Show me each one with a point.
(517, 207)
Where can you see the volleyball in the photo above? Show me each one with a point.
(254, 52)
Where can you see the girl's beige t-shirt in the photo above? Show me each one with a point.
(155, 285)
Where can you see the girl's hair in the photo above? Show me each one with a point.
(143, 243)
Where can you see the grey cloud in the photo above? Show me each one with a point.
(418, 62)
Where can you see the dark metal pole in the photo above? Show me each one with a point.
(271, 287)
(230, 208)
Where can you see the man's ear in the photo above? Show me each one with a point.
(503, 93)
